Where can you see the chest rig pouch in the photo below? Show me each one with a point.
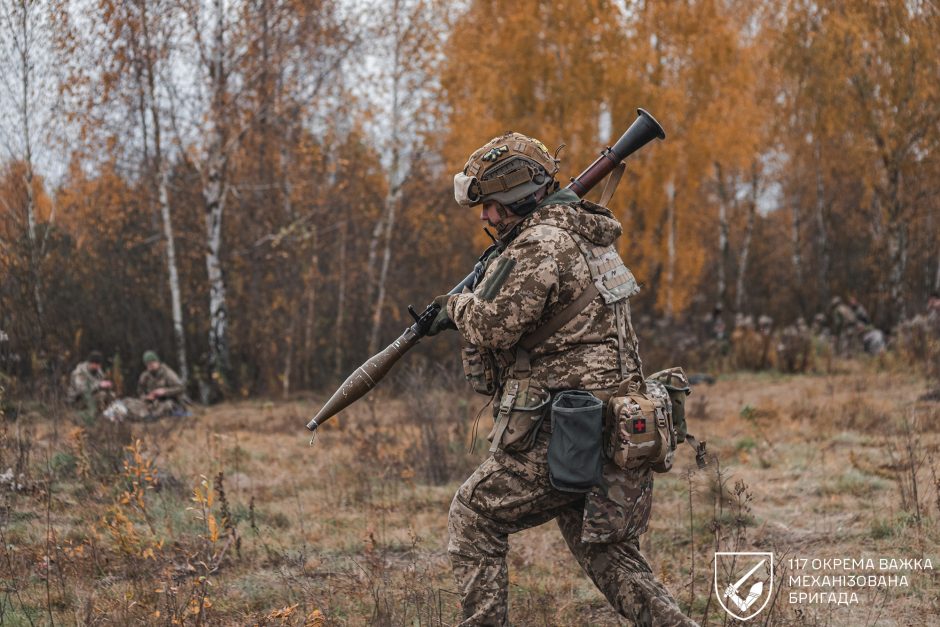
(479, 368)
(522, 405)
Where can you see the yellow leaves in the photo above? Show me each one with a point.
(202, 493)
(197, 605)
(213, 528)
(284, 613)
(315, 619)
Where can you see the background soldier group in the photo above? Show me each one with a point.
(160, 391)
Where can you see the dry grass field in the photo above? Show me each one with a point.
(231, 517)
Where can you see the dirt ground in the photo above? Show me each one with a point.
(232, 517)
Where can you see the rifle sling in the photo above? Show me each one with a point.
(560, 319)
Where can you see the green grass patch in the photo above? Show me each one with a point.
(745, 444)
(852, 483)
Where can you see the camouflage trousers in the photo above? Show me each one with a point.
(139, 410)
(96, 401)
(496, 502)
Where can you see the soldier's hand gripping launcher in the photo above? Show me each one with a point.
(643, 130)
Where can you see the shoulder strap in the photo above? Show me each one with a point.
(560, 319)
(613, 180)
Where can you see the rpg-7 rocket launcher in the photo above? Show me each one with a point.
(643, 130)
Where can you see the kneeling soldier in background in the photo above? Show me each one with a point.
(160, 392)
(88, 386)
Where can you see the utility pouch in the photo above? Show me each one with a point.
(521, 410)
(639, 429)
(575, 451)
(677, 385)
(479, 368)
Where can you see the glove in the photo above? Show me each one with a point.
(442, 321)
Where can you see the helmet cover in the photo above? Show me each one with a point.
(508, 169)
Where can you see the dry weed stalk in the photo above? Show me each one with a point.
(688, 476)
(907, 460)
(76, 438)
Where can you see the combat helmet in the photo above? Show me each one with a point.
(509, 169)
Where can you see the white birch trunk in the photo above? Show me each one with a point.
(23, 42)
(746, 247)
(338, 338)
(214, 196)
(394, 192)
(372, 258)
(897, 251)
(391, 206)
(723, 229)
(795, 241)
(214, 191)
(163, 199)
(34, 256)
(173, 278)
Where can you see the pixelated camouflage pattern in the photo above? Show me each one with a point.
(510, 492)
(142, 409)
(163, 377)
(530, 407)
(479, 368)
(83, 380)
(549, 273)
(84, 385)
(677, 384)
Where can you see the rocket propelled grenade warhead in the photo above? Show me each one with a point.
(365, 378)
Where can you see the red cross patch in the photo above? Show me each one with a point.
(639, 425)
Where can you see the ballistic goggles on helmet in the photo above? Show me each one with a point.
(467, 190)
(508, 169)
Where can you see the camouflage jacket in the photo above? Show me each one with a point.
(540, 271)
(84, 380)
(165, 378)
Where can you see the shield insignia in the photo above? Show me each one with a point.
(744, 582)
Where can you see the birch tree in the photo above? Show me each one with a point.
(138, 61)
(410, 37)
(745, 250)
(207, 118)
(27, 86)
